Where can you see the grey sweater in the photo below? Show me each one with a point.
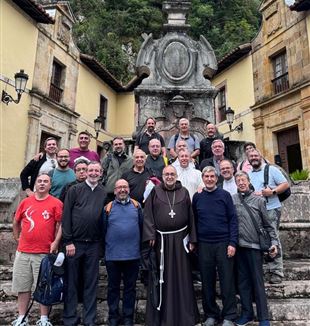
(248, 236)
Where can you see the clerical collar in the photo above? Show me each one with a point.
(91, 186)
(184, 136)
(124, 201)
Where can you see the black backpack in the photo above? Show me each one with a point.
(284, 195)
(50, 284)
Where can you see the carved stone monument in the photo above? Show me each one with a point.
(178, 71)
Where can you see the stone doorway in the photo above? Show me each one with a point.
(44, 136)
(289, 149)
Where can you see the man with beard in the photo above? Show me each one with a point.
(80, 169)
(83, 151)
(137, 176)
(189, 177)
(82, 236)
(122, 228)
(277, 184)
(43, 164)
(114, 165)
(205, 144)
(62, 175)
(156, 162)
(143, 139)
(168, 225)
(217, 229)
(227, 172)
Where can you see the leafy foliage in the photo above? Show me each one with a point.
(111, 30)
(300, 175)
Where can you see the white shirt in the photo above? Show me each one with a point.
(48, 165)
(230, 186)
(190, 179)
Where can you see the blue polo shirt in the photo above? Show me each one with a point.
(275, 178)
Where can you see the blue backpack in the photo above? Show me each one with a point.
(50, 284)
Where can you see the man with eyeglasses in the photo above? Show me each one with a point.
(169, 228)
(83, 152)
(62, 175)
(80, 169)
(44, 164)
(122, 229)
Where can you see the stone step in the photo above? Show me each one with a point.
(293, 312)
(294, 269)
(295, 239)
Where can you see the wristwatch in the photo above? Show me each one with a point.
(274, 192)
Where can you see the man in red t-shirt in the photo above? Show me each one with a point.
(36, 228)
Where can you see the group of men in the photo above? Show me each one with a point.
(186, 210)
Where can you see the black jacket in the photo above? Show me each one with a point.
(30, 172)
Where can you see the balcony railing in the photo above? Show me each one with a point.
(55, 93)
(280, 83)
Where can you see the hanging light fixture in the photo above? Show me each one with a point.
(20, 85)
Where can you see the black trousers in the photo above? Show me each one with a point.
(127, 271)
(251, 282)
(85, 260)
(212, 258)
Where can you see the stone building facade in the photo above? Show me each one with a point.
(281, 73)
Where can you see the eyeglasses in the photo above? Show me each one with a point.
(80, 169)
(169, 175)
(63, 156)
(121, 187)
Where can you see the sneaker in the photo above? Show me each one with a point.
(43, 323)
(209, 322)
(264, 323)
(243, 320)
(275, 279)
(227, 322)
(17, 322)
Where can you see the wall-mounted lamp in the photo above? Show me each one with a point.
(97, 127)
(230, 115)
(20, 85)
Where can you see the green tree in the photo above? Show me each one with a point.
(111, 30)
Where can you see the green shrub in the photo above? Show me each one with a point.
(300, 175)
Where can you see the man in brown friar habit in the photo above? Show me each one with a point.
(170, 229)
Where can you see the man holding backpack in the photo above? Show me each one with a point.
(270, 186)
(35, 226)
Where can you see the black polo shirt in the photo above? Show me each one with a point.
(144, 138)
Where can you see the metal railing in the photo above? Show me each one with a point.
(55, 93)
(280, 83)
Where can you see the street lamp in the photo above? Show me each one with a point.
(230, 115)
(97, 126)
(20, 85)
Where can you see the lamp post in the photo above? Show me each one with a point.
(230, 116)
(20, 85)
(97, 126)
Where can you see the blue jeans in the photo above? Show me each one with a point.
(127, 270)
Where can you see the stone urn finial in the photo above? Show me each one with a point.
(177, 11)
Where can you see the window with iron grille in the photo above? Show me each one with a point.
(103, 111)
(221, 105)
(280, 72)
(56, 82)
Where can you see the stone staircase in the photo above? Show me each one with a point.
(289, 302)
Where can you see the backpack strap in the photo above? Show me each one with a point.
(135, 203)
(166, 161)
(241, 165)
(108, 207)
(266, 175)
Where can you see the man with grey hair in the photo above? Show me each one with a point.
(217, 230)
(191, 140)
